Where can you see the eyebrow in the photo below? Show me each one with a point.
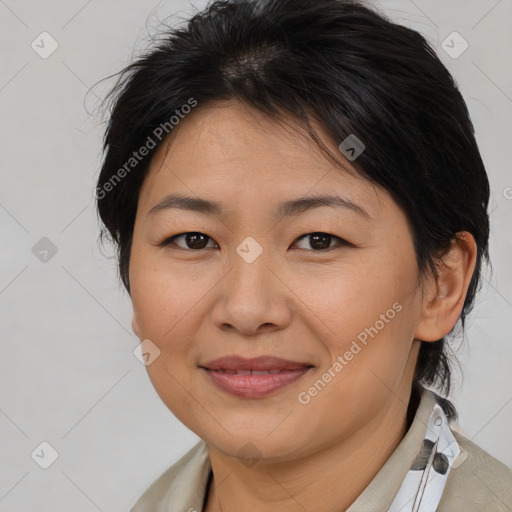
(286, 209)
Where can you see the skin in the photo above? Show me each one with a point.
(294, 301)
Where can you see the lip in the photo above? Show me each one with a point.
(254, 363)
(259, 376)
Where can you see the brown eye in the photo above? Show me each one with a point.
(320, 241)
(193, 240)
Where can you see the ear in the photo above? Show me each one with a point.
(443, 297)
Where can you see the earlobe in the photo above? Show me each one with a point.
(444, 296)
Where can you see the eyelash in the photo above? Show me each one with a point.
(168, 241)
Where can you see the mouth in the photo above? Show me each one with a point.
(254, 378)
(248, 372)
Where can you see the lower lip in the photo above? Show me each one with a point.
(254, 386)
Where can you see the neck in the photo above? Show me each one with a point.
(346, 468)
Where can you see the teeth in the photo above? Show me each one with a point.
(249, 372)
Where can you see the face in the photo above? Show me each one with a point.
(331, 287)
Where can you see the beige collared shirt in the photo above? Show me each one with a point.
(476, 483)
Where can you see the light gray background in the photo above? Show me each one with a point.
(68, 374)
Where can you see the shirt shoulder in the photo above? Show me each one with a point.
(181, 487)
(477, 482)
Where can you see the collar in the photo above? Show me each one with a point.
(400, 473)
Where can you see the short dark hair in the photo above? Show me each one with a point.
(343, 64)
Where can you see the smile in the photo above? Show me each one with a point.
(253, 377)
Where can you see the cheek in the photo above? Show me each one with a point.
(365, 314)
(165, 297)
(371, 327)
(166, 305)
(350, 298)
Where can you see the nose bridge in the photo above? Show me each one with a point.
(252, 296)
(250, 273)
(250, 250)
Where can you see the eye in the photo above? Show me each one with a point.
(320, 241)
(193, 240)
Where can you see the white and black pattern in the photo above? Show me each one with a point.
(424, 483)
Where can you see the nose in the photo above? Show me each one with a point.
(253, 298)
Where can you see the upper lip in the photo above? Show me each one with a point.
(256, 363)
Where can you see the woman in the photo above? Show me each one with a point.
(300, 211)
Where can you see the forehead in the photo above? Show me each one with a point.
(229, 151)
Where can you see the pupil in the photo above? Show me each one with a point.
(320, 241)
(194, 240)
